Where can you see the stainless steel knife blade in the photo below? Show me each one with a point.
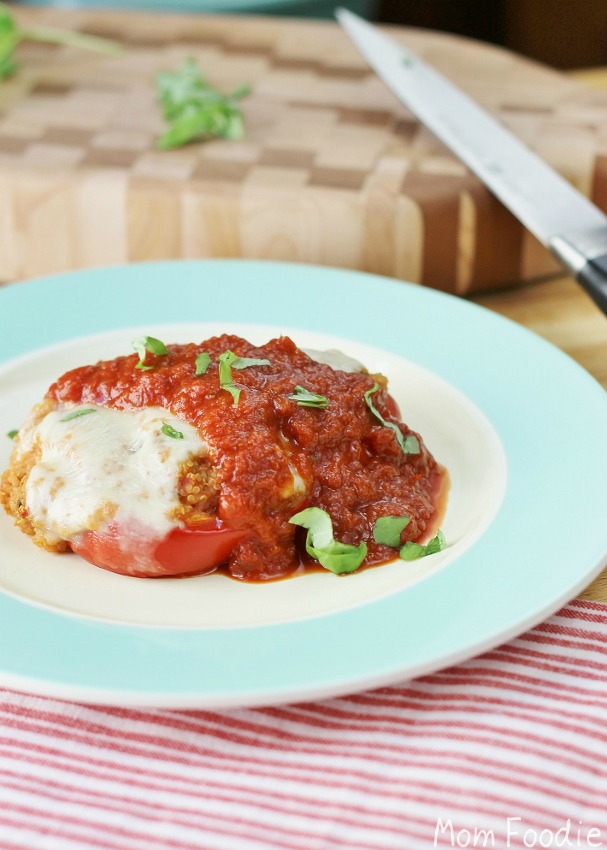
(566, 222)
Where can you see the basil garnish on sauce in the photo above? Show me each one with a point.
(228, 361)
(203, 361)
(411, 551)
(387, 530)
(225, 374)
(305, 398)
(144, 344)
(245, 362)
(74, 414)
(12, 434)
(171, 432)
(330, 553)
(410, 444)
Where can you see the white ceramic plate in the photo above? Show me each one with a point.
(467, 446)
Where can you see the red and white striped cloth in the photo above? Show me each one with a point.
(506, 750)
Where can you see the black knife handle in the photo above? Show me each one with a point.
(593, 278)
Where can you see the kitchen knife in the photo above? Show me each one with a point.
(566, 222)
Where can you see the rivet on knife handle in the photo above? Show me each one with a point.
(585, 255)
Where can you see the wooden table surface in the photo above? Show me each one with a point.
(562, 313)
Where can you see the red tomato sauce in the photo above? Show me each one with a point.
(275, 457)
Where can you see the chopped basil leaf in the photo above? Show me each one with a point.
(154, 346)
(411, 551)
(339, 558)
(320, 544)
(234, 391)
(171, 432)
(74, 414)
(203, 361)
(12, 434)
(437, 544)
(193, 109)
(144, 344)
(409, 445)
(387, 529)
(228, 361)
(225, 374)
(245, 362)
(305, 398)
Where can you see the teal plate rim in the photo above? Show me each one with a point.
(548, 540)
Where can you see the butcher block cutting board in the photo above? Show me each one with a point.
(332, 169)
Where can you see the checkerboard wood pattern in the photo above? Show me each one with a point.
(332, 170)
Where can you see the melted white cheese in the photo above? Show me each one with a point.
(119, 465)
(108, 464)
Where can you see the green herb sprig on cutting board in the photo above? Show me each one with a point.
(11, 35)
(194, 110)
